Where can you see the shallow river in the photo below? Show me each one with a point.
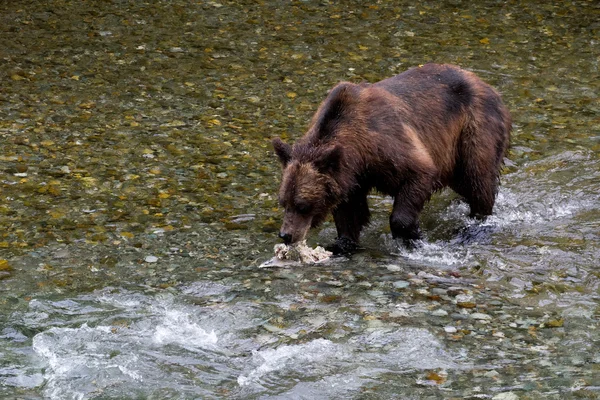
(137, 200)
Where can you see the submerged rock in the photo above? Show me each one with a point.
(151, 259)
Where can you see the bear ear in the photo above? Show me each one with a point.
(329, 160)
(283, 151)
(332, 110)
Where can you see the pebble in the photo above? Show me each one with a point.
(271, 328)
(393, 268)
(577, 361)
(439, 312)
(450, 329)
(401, 284)
(21, 168)
(399, 314)
(464, 298)
(455, 290)
(375, 293)
(481, 316)
(62, 253)
(242, 218)
(545, 363)
(492, 374)
(375, 323)
(151, 259)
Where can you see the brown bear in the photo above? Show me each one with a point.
(406, 136)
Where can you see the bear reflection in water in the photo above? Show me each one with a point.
(408, 136)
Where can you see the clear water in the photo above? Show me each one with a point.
(137, 199)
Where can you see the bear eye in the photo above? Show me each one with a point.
(302, 208)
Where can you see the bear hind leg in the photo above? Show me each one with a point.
(478, 188)
(483, 145)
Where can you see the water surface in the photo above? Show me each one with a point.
(138, 197)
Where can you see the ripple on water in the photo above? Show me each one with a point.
(326, 369)
(136, 349)
(406, 348)
(311, 359)
(549, 209)
(182, 349)
(565, 184)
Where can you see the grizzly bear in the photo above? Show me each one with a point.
(406, 136)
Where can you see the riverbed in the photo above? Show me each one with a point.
(138, 199)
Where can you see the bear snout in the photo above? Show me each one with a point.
(295, 227)
(287, 237)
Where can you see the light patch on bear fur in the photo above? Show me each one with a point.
(421, 153)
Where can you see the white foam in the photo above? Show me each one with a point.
(512, 208)
(439, 254)
(338, 386)
(323, 369)
(21, 379)
(436, 254)
(88, 359)
(177, 327)
(308, 358)
(72, 353)
(173, 346)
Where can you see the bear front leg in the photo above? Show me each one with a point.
(350, 216)
(404, 225)
(404, 221)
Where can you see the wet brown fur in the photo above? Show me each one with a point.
(406, 136)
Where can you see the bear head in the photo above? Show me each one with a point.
(309, 189)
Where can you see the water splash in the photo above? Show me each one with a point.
(177, 327)
(435, 254)
(78, 358)
(327, 369)
(132, 351)
(310, 358)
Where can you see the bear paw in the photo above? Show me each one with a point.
(342, 245)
